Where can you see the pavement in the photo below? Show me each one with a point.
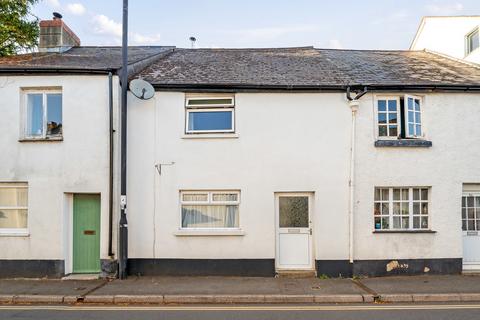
(241, 290)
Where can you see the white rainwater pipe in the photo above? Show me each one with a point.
(353, 104)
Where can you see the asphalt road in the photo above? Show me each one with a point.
(357, 312)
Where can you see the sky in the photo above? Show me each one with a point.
(341, 24)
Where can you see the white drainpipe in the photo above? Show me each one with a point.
(353, 104)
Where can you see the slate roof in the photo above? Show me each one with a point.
(80, 58)
(306, 67)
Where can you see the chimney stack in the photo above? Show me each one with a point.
(56, 36)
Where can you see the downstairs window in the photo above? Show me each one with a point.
(401, 208)
(210, 209)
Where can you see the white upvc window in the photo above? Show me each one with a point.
(388, 117)
(210, 209)
(210, 114)
(13, 207)
(401, 208)
(472, 41)
(42, 114)
(413, 117)
(399, 117)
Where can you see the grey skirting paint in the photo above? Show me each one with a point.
(334, 268)
(202, 267)
(32, 268)
(407, 267)
(375, 268)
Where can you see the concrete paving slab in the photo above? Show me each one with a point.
(138, 299)
(345, 298)
(443, 284)
(47, 287)
(107, 299)
(436, 297)
(30, 298)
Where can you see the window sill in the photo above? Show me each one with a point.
(403, 143)
(210, 136)
(209, 232)
(14, 233)
(47, 139)
(404, 231)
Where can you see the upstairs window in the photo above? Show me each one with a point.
(210, 115)
(472, 41)
(43, 114)
(399, 117)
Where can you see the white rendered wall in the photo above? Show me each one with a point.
(287, 142)
(297, 142)
(78, 164)
(447, 35)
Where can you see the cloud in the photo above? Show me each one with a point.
(105, 26)
(335, 44)
(139, 39)
(76, 9)
(437, 9)
(53, 3)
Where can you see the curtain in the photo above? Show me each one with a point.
(210, 216)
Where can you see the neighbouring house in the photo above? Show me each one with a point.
(58, 110)
(245, 162)
(455, 36)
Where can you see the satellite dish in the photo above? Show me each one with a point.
(141, 89)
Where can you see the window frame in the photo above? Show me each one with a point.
(466, 194)
(399, 118)
(411, 214)
(220, 107)
(15, 231)
(468, 36)
(24, 125)
(208, 202)
(408, 134)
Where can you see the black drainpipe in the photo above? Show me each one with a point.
(123, 243)
(110, 173)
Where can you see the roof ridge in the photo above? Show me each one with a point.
(446, 56)
(249, 48)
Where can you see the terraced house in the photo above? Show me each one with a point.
(245, 162)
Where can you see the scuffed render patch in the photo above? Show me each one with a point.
(394, 264)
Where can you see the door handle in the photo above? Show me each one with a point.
(310, 231)
(89, 232)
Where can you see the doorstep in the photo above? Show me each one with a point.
(82, 276)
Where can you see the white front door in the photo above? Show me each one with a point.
(471, 228)
(294, 231)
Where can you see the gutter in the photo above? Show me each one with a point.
(22, 71)
(310, 88)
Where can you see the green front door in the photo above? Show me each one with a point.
(86, 233)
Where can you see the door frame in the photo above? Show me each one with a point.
(310, 196)
(474, 265)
